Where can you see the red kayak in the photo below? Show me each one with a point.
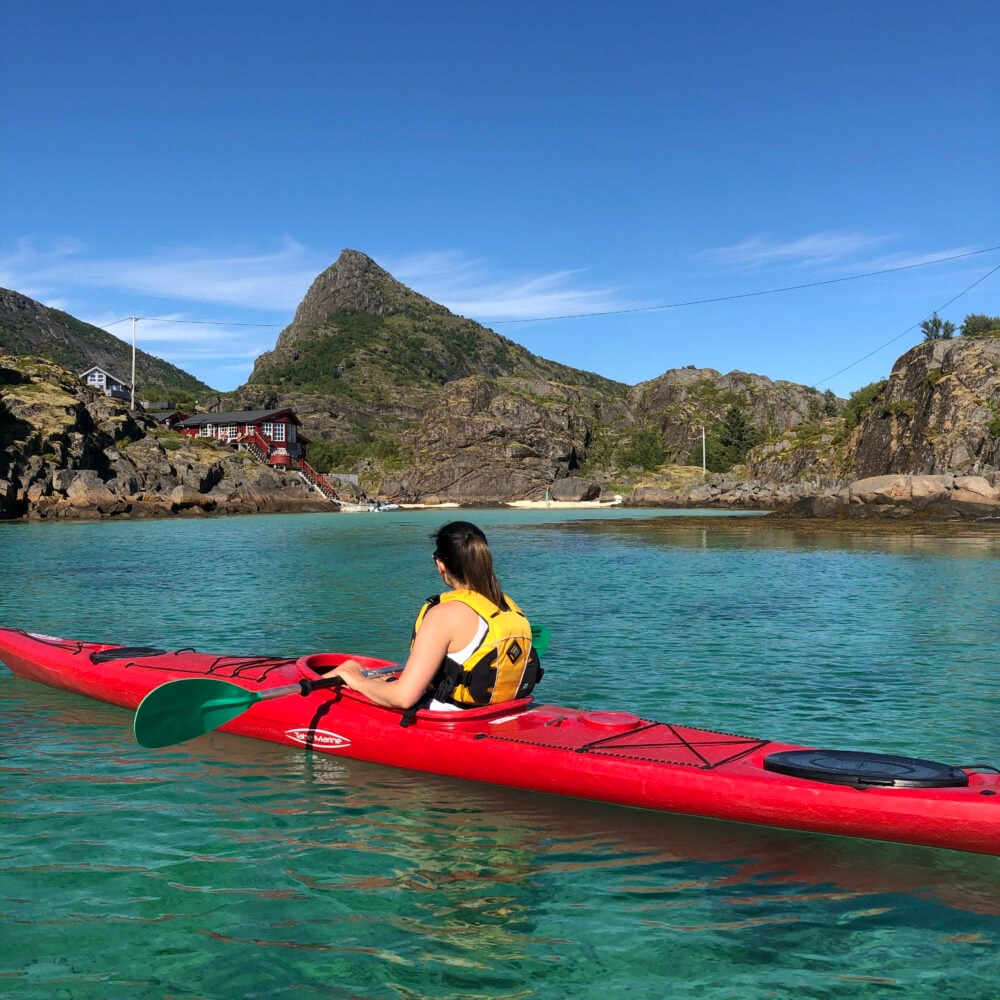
(613, 757)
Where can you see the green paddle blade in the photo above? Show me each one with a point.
(181, 710)
(540, 636)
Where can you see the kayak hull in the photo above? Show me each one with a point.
(612, 757)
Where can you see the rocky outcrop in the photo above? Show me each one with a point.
(919, 498)
(67, 451)
(938, 413)
(940, 497)
(490, 442)
(811, 453)
(727, 492)
(683, 400)
(574, 490)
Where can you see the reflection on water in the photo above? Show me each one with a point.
(229, 868)
(231, 864)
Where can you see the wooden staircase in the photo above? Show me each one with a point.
(318, 482)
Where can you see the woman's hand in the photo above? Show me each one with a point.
(350, 672)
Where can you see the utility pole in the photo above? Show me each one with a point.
(133, 363)
(702, 448)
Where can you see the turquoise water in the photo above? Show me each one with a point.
(227, 868)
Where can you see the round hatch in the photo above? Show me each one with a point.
(865, 770)
(611, 720)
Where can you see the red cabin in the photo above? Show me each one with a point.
(272, 435)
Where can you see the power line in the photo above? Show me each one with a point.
(744, 295)
(679, 305)
(910, 329)
(622, 312)
(196, 322)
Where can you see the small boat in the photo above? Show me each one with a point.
(373, 507)
(546, 503)
(606, 756)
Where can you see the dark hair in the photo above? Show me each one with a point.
(463, 549)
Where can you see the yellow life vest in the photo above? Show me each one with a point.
(502, 667)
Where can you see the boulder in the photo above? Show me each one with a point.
(87, 490)
(186, 498)
(573, 489)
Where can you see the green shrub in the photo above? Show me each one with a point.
(993, 424)
(980, 325)
(860, 402)
(645, 449)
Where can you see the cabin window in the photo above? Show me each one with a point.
(279, 432)
(291, 431)
(96, 379)
(267, 429)
(206, 431)
(231, 431)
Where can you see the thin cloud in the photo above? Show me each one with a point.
(277, 281)
(823, 248)
(466, 286)
(274, 281)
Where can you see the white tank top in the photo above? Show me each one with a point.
(460, 656)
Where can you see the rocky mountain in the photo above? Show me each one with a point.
(361, 333)
(28, 327)
(68, 451)
(451, 409)
(365, 358)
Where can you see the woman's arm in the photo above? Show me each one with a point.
(427, 654)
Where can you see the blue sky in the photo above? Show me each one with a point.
(201, 162)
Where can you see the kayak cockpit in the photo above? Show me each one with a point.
(318, 664)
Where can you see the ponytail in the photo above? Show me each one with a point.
(463, 549)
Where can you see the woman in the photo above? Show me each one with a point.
(471, 646)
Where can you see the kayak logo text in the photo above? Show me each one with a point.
(318, 738)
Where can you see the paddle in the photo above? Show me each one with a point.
(540, 638)
(181, 710)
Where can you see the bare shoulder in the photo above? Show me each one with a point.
(450, 613)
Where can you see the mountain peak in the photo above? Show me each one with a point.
(356, 283)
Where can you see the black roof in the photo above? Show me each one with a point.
(236, 417)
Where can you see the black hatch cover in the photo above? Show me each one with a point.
(865, 770)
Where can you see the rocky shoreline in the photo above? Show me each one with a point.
(945, 497)
(71, 453)
(896, 503)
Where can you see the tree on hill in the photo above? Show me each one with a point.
(727, 443)
(980, 325)
(645, 449)
(936, 328)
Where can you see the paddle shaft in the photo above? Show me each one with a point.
(303, 687)
(306, 686)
